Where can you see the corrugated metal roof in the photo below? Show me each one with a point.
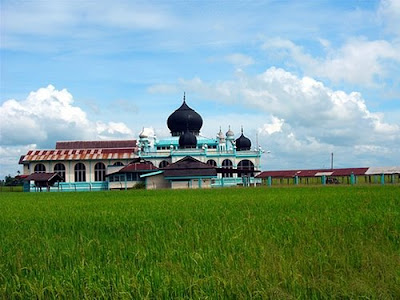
(95, 144)
(312, 173)
(189, 166)
(79, 154)
(383, 170)
(323, 173)
(43, 177)
(140, 166)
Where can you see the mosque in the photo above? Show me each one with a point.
(186, 159)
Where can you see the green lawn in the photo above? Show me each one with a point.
(303, 242)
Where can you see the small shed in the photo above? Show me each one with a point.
(42, 180)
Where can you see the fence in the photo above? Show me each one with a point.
(347, 180)
(68, 187)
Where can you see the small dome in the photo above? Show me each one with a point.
(243, 143)
(184, 118)
(230, 133)
(220, 135)
(142, 135)
(187, 140)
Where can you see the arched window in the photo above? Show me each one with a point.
(60, 169)
(99, 171)
(40, 168)
(163, 164)
(246, 165)
(118, 163)
(212, 162)
(227, 164)
(80, 172)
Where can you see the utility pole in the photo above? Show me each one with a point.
(332, 161)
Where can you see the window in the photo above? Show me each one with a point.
(212, 162)
(246, 165)
(40, 168)
(227, 164)
(99, 172)
(60, 169)
(118, 163)
(80, 172)
(163, 164)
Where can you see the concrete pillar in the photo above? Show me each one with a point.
(323, 179)
(352, 179)
(382, 179)
(269, 180)
(296, 179)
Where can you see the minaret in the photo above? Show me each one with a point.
(221, 141)
(230, 139)
(144, 143)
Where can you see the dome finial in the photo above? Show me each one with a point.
(184, 96)
(242, 129)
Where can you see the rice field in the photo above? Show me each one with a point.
(281, 243)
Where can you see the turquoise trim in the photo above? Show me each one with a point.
(151, 174)
(71, 187)
(190, 177)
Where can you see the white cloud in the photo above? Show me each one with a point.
(48, 115)
(112, 130)
(55, 18)
(358, 61)
(9, 156)
(275, 125)
(239, 60)
(389, 14)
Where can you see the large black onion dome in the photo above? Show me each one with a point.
(184, 118)
(187, 140)
(243, 143)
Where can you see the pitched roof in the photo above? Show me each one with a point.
(312, 173)
(43, 177)
(141, 166)
(78, 154)
(96, 144)
(136, 167)
(383, 170)
(189, 167)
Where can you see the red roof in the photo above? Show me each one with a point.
(140, 166)
(43, 177)
(79, 154)
(312, 173)
(96, 144)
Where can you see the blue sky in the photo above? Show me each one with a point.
(304, 78)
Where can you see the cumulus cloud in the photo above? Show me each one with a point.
(303, 118)
(48, 115)
(275, 125)
(112, 130)
(358, 61)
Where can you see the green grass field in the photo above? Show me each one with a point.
(305, 242)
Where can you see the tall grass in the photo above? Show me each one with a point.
(307, 242)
